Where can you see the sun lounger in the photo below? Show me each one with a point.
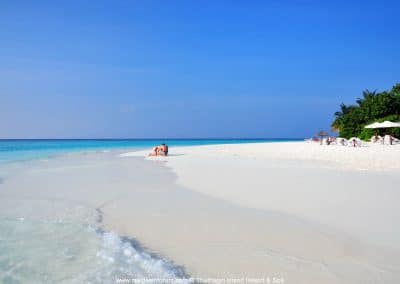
(354, 142)
(376, 139)
(341, 141)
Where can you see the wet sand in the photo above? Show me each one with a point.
(217, 216)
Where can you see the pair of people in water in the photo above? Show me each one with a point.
(161, 150)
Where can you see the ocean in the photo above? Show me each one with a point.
(14, 150)
(50, 238)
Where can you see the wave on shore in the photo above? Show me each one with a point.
(54, 251)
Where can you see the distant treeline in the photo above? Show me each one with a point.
(373, 106)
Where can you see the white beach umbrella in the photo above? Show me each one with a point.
(389, 124)
(385, 124)
(373, 125)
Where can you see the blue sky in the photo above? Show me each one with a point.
(184, 69)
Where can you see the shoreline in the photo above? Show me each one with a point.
(27, 197)
(59, 147)
(169, 206)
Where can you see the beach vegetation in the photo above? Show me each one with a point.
(373, 106)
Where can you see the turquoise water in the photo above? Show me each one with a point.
(13, 150)
(46, 239)
(68, 247)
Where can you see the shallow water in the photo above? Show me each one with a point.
(13, 150)
(52, 240)
(69, 247)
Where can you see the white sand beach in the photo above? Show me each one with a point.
(327, 210)
(285, 212)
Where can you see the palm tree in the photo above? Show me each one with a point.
(337, 123)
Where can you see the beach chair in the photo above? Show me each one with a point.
(341, 141)
(387, 139)
(376, 139)
(333, 141)
(390, 140)
(354, 142)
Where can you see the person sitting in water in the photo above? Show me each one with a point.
(161, 150)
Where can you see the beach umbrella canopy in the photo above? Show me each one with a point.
(389, 124)
(322, 133)
(373, 125)
(385, 124)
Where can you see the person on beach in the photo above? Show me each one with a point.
(161, 150)
(154, 152)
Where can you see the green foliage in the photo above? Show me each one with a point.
(373, 106)
(366, 134)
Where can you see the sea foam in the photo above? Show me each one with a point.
(43, 251)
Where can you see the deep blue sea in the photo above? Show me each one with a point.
(14, 150)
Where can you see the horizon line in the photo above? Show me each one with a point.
(210, 138)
